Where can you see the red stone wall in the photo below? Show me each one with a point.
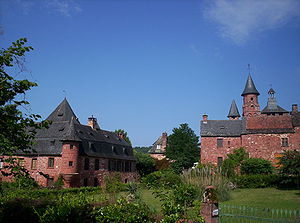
(269, 122)
(210, 152)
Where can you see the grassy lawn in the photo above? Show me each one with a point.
(266, 197)
(150, 200)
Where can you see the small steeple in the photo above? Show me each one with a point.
(233, 112)
(272, 107)
(250, 87)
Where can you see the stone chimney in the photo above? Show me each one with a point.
(164, 138)
(204, 118)
(121, 135)
(294, 108)
(92, 122)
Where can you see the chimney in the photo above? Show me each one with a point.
(205, 118)
(294, 108)
(121, 135)
(92, 122)
(164, 137)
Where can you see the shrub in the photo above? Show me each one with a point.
(162, 179)
(257, 181)
(123, 211)
(207, 176)
(290, 163)
(113, 183)
(184, 195)
(256, 166)
(145, 164)
(228, 168)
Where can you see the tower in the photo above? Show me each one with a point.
(233, 112)
(250, 99)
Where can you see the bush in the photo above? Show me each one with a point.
(162, 179)
(113, 183)
(228, 168)
(123, 211)
(290, 163)
(145, 164)
(256, 166)
(257, 181)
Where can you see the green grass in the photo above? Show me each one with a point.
(153, 202)
(266, 198)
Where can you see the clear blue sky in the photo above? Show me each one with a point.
(147, 66)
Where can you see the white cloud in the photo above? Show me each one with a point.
(64, 7)
(240, 19)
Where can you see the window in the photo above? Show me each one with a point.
(71, 147)
(70, 163)
(51, 163)
(52, 142)
(33, 163)
(1, 163)
(284, 142)
(219, 143)
(158, 147)
(127, 166)
(86, 163)
(85, 182)
(97, 165)
(220, 161)
(228, 143)
(96, 182)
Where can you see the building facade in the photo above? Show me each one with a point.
(82, 155)
(265, 133)
(158, 148)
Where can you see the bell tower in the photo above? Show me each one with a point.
(250, 99)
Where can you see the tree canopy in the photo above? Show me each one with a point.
(17, 129)
(125, 136)
(183, 148)
(290, 163)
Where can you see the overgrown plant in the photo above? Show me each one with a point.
(206, 176)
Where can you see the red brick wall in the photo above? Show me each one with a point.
(210, 152)
(269, 122)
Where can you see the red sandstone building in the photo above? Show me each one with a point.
(81, 154)
(263, 133)
(158, 148)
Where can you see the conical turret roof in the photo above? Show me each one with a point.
(250, 87)
(63, 113)
(233, 112)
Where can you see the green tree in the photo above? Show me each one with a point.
(145, 164)
(233, 162)
(183, 148)
(17, 129)
(125, 137)
(290, 163)
(256, 166)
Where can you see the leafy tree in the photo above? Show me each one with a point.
(233, 162)
(290, 163)
(183, 147)
(143, 149)
(14, 124)
(145, 164)
(125, 137)
(256, 166)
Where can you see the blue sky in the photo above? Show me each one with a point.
(147, 66)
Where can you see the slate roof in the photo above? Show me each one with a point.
(222, 127)
(233, 112)
(272, 106)
(66, 127)
(250, 87)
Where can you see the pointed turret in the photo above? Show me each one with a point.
(63, 113)
(250, 87)
(233, 112)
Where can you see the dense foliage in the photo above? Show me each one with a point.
(257, 181)
(256, 166)
(14, 124)
(231, 165)
(145, 164)
(143, 149)
(183, 148)
(290, 163)
(162, 179)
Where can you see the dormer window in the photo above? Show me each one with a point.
(60, 114)
(52, 142)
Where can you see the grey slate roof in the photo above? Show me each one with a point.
(222, 127)
(272, 106)
(66, 127)
(233, 112)
(250, 87)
